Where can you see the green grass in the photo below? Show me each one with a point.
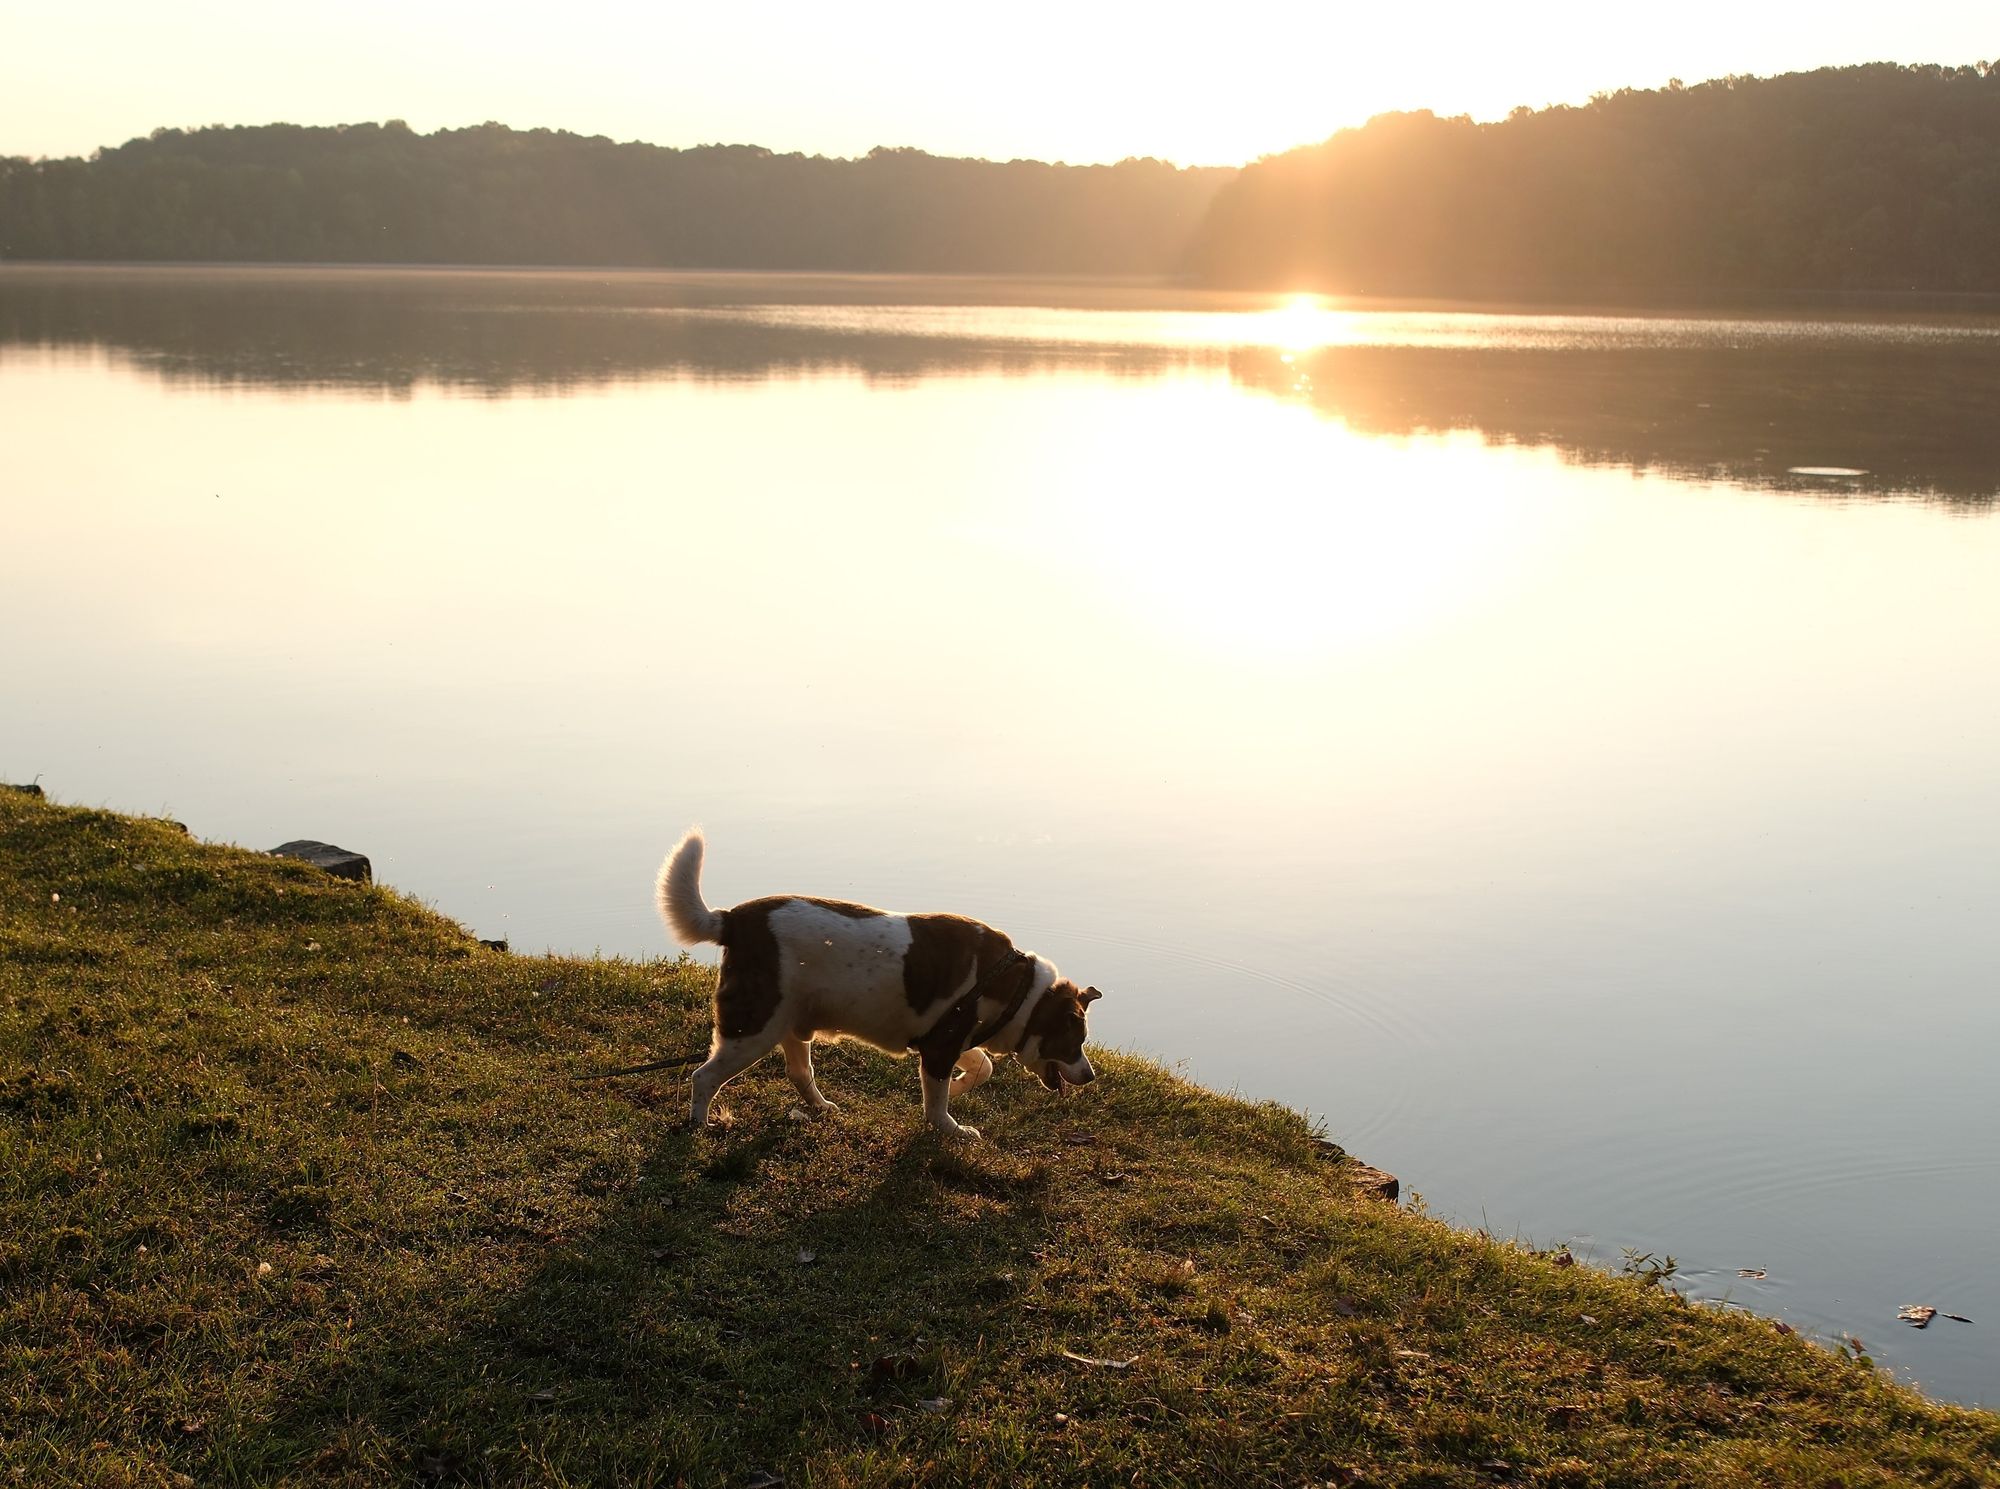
(294, 1187)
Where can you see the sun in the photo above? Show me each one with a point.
(1303, 323)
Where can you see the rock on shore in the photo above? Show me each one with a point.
(342, 863)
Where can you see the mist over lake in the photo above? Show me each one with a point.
(1556, 749)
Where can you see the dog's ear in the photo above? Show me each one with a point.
(1088, 996)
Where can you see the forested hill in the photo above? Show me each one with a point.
(1876, 178)
(494, 195)
(1880, 177)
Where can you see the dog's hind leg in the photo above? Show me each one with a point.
(799, 1066)
(729, 1059)
(975, 1068)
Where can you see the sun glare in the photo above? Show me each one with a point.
(1303, 323)
(1274, 536)
(1323, 555)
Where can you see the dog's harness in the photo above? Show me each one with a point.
(970, 1002)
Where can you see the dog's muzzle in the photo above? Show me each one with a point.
(1058, 1077)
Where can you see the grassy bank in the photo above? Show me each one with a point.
(293, 1185)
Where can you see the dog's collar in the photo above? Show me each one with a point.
(1006, 1017)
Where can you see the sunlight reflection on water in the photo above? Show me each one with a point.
(1309, 325)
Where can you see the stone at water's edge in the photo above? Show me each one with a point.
(1372, 1181)
(1367, 1180)
(339, 862)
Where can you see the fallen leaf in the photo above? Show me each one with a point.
(542, 1398)
(936, 1406)
(263, 1269)
(1586, 1318)
(1114, 1177)
(1125, 1364)
(1919, 1314)
(872, 1422)
(798, 1114)
(807, 1258)
(407, 1060)
(1755, 1274)
(1563, 1258)
(1784, 1328)
(1062, 1419)
(761, 1478)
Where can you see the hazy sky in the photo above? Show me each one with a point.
(1070, 81)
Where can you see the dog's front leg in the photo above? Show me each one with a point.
(975, 1068)
(937, 1097)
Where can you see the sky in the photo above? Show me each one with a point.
(1071, 81)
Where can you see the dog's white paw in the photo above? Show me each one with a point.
(969, 1134)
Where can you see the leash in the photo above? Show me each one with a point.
(670, 1063)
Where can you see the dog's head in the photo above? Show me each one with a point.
(1052, 1043)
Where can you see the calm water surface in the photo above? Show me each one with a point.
(1563, 752)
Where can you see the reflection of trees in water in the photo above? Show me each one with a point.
(499, 333)
(1916, 417)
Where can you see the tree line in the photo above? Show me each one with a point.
(1874, 178)
(1878, 178)
(374, 193)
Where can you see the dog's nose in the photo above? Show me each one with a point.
(1085, 1079)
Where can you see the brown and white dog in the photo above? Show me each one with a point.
(951, 989)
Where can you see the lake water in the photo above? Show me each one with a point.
(1562, 752)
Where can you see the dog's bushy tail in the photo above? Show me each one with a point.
(679, 889)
